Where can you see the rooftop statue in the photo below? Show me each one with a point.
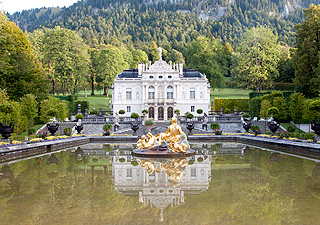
(173, 140)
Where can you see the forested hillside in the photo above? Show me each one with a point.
(173, 22)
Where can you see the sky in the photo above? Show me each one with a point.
(12, 6)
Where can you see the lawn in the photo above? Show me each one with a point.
(96, 101)
(230, 93)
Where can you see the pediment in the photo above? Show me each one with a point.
(160, 66)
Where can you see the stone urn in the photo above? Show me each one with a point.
(273, 126)
(52, 128)
(79, 128)
(246, 126)
(315, 126)
(6, 130)
(190, 127)
(135, 127)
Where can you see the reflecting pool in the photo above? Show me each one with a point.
(224, 183)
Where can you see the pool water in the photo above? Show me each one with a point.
(224, 183)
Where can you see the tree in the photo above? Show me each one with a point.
(256, 62)
(20, 71)
(29, 107)
(306, 58)
(296, 106)
(209, 57)
(138, 56)
(175, 56)
(64, 56)
(111, 63)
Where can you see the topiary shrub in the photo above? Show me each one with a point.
(255, 129)
(291, 128)
(246, 115)
(79, 116)
(134, 116)
(144, 112)
(200, 159)
(121, 111)
(227, 111)
(177, 112)
(32, 131)
(199, 111)
(93, 112)
(67, 131)
(107, 127)
(189, 116)
(122, 160)
(214, 126)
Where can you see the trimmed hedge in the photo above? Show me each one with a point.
(242, 104)
(84, 105)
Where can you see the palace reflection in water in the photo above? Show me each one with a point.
(224, 183)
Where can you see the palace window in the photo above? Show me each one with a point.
(128, 109)
(128, 93)
(192, 93)
(151, 92)
(170, 92)
(192, 108)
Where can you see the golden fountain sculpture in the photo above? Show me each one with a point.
(173, 139)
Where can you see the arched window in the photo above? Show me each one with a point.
(170, 92)
(151, 92)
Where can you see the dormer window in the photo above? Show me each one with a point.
(169, 77)
(160, 77)
(150, 77)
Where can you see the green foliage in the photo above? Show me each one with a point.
(54, 107)
(273, 111)
(149, 122)
(255, 64)
(20, 71)
(189, 116)
(64, 56)
(6, 107)
(177, 112)
(134, 115)
(29, 105)
(67, 131)
(107, 127)
(79, 116)
(214, 126)
(291, 128)
(306, 56)
(265, 105)
(144, 112)
(52, 112)
(315, 107)
(32, 131)
(199, 111)
(281, 105)
(227, 111)
(209, 57)
(296, 106)
(121, 111)
(246, 115)
(84, 105)
(255, 129)
(241, 104)
(94, 112)
(255, 106)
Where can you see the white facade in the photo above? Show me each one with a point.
(160, 88)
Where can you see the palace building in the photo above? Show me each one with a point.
(160, 88)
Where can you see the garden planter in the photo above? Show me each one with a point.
(246, 126)
(273, 126)
(52, 128)
(315, 126)
(134, 127)
(6, 130)
(79, 128)
(190, 127)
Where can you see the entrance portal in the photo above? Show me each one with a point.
(170, 113)
(160, 113)
(151, 113)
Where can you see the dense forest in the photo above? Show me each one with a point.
(174, 22)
